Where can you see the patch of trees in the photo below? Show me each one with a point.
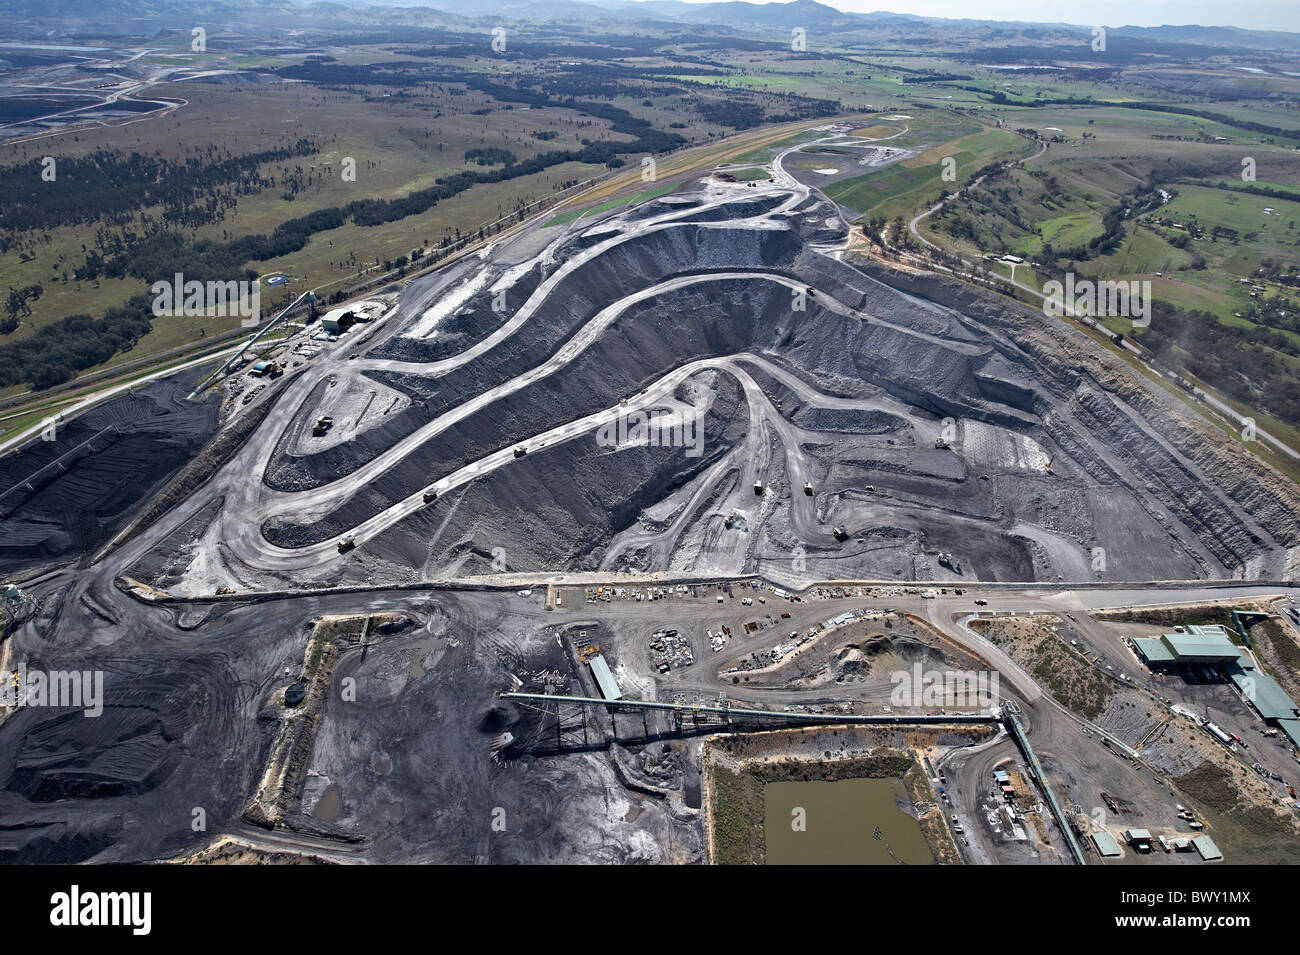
(616, 45)
(56, 352)
(901, 237)
(1275, 313)
(112, 186)
(162, 254)
(490, 156)
(734, 114)
(959, 227)
(1270, 271)
(16, 304)
(1112, 226)
(935, 78)
(1243, 363)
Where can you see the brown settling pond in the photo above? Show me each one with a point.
(848, 822)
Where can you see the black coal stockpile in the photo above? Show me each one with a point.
(62, 498)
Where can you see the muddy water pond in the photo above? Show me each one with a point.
(330, 806)
(847, 822)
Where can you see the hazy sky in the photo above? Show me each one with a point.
(1249, 14)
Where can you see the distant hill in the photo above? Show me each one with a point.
(797, 13)
(739, 15)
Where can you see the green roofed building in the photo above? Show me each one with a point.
(1211, 645)
(1105, 844)
(1153, 651)
(1199, 645)
(1266, 695)
(604, 678)
(1207, 849)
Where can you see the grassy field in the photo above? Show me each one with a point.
(737, 818)
(397, 148)
(1246, 833)
(913, 184)
(854, 85)
(605, 206)
(751, 174)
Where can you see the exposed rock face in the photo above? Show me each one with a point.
(929, 418)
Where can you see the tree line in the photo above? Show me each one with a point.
(1243, 363)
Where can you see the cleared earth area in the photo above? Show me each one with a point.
(705, 383)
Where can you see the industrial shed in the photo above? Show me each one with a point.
(1105, 844)
(604, 678)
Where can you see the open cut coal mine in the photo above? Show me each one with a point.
(889, 419)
